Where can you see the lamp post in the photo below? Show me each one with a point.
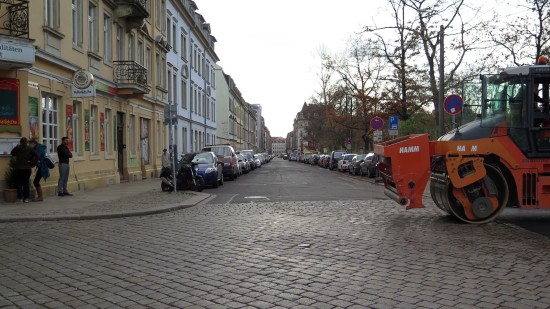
(441, 80)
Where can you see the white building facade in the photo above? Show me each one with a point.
(190, 80)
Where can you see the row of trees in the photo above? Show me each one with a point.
(393, 69)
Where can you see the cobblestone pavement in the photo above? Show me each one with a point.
(352, 254)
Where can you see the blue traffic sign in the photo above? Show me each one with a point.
(394, 123)
(376, 123)
(453, 104)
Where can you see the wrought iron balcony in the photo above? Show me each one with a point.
(130, 77)
(132, 8)
(14, 18)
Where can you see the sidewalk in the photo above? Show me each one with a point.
(121, 200)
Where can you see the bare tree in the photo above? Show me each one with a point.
(411, 44)
(524, 36)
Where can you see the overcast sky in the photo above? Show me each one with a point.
(270, 47)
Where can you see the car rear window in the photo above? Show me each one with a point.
(338, 154)
(221, 151)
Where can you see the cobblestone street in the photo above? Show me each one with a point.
(337, 254)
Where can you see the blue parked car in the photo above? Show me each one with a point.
(207, 166)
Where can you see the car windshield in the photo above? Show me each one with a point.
(188, 157)
(203, 158)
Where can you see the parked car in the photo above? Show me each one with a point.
(257, 160)
(207, 166)
(227, 155)
(243, 163)
(368, 167)
(355, 165)
(249, 155)
(343, 164)
(334, 157)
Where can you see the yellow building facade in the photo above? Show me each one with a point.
(94, 71)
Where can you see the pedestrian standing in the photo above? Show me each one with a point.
(165, 158)
(42, 170)
(25, 159)
(165, 170)
(64, 154)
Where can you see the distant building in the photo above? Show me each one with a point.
(278, 145)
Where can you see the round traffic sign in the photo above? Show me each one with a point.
(453, 104)
(376, 123)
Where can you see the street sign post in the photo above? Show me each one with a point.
(376, 123)
(394, 123)
(453, 104)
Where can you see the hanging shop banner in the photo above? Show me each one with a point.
(86, 130)
(9, 96)
(33, 118)
(102, 131)
(69, 126)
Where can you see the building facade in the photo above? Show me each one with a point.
(99, 79)
(278, 145)
(191, 82)
(121, 79)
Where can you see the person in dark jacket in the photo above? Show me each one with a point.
(25, 158)
(42, 170)
(64, 154)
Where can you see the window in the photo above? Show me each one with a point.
(144, 140)
(183, 42)
(169, 86)
(50, 121)
(93, 39)
(107, 131)
(77, 22)
(76, 125)
(157, 69)
(184, 136)
(140, 52)
(175, 89)
(52, 13)
(107, 38)
(131, 47)
(132, 134)
(119, 42)
(148, 63)
(194, 100)
(207, 108)
(158, 10)
(174, 36)
(160, 141)
(169, 29)
(183, 93)
(163, 13)
(163, 68)
(93, 130)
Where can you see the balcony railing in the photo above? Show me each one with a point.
(130, 73)
(14, 18)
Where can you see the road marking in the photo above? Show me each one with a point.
(257, 197)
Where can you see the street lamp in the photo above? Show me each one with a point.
(441, 80)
